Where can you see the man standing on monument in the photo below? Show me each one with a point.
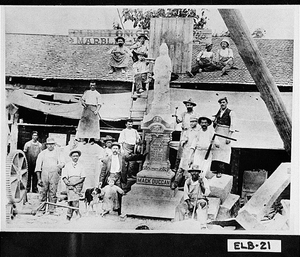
(188, 136)
(89, 126)
(224, 124)
(32, 148)
(194, 200)
(200, 146)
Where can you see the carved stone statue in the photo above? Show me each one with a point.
(162, 74)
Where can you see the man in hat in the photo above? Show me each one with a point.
(108, 140)
(185, 142)
(140, 71)
(114, 166)
(200, 145)
(224, 124)
(73, 175)
(205, 61)
(88, 126)
(194, 201)
(32, 149)
(48, 168)
(224, 57)
(184, 118)
(140, 47)
(119, 56)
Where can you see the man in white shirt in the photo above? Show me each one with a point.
(48, 169)
(73, 175)
(130, 139)
(89, 126)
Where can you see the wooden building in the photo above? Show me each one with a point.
(49, 72)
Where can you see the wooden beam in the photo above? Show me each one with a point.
(260, 73)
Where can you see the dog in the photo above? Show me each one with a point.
(92, 199)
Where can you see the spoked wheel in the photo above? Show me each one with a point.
(16, 176)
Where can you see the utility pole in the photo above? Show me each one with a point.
(260, 73)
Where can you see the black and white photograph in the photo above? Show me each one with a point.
(151, 119)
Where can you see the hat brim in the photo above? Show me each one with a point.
(209, 121)
(185, 102)
(199, 171)
(75, 151)
(116, 144)
(50, 143)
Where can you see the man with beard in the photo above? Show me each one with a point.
(119, 56)
(200, 146)
(224, 124)
(194, 200)
(113, 166)
(184, 118)
(187, 138)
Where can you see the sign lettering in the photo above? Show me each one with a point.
(153, 181)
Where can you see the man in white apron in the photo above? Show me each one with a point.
(48, 168)
(224, 125)
(200, 145)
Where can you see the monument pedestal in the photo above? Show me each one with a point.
(152, 196)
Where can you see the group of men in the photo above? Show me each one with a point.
(207, 60)
(200, 155)
(47, 167)
(199, 146)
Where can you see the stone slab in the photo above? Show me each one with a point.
(151, 201)
(260, 203)
(220, 187)
(228, 208)
(213, 207)
(279, 222)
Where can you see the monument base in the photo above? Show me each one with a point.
(151, 201)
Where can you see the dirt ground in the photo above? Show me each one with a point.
(90, 222)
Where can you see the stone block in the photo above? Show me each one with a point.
(229, 207)
(220, 187)
(279, 222)
(213, 207)
(257, 207)
(151, 201)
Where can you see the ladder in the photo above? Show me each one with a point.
(139, 102)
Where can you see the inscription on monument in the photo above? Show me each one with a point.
(154, 181)
(157, 152)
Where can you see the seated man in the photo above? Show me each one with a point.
(140, 47)
(119, 56)
(194, 199)
(205, 61)
(140, 69)
(224, 58)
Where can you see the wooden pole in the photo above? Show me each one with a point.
(260, 73)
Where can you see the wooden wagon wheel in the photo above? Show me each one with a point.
(16, 176)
